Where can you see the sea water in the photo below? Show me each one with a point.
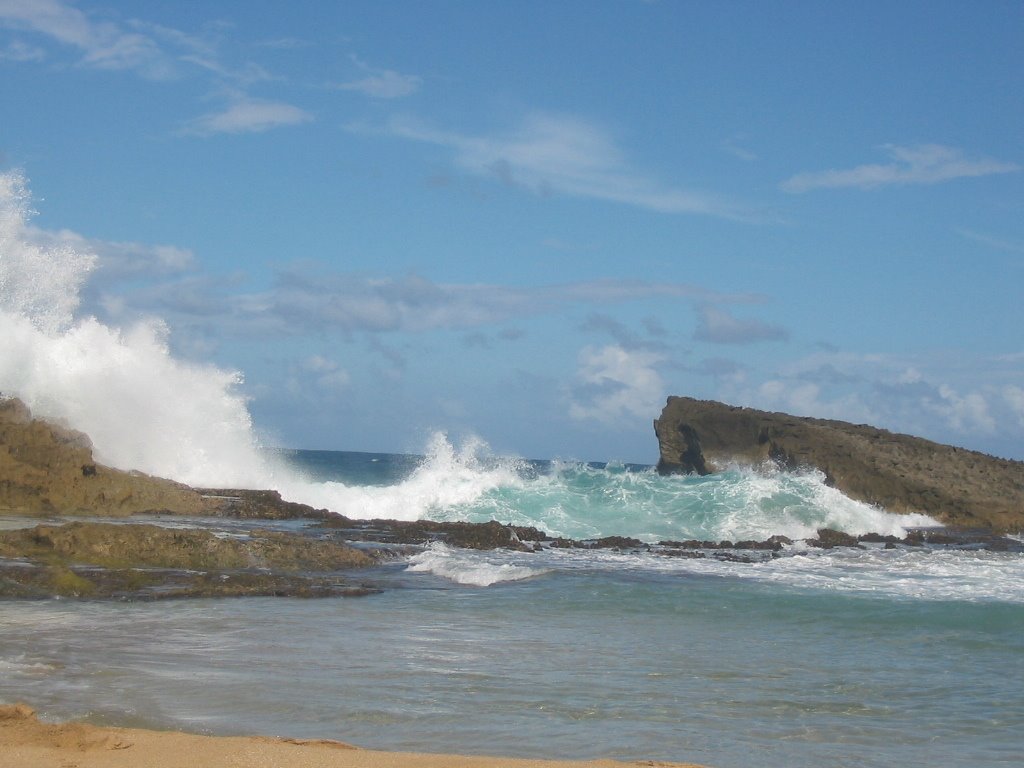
(844, 657)
(840, 657)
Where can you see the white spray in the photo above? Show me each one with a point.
(142, 408)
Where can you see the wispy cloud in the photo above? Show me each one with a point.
(103, 44)
(914, 395)
(720, 327)
(306, 299)
(381, 83)
(150, 50)
(616, 384)
(21, 51)
(918, 164)
(734, 146)
(563, 155)
(247, 115)
(999, 243)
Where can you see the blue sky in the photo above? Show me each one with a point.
(533, 221)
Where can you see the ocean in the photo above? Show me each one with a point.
(842, 657)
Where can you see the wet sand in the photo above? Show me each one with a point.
(25, 742)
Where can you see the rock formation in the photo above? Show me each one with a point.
(46, 469)
(900, 473)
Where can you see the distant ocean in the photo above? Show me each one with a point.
(837, 657)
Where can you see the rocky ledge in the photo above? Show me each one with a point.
(901, 473)
(145, 561)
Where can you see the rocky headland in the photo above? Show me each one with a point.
(963, 489)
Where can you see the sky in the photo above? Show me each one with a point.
(533, 221)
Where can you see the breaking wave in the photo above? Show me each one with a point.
(147, 410)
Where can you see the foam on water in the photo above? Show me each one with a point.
(469, 568)
(448, 478)
(932, 575)
(583, 501)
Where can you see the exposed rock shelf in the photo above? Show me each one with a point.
(900, 473)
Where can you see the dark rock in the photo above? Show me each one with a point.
(829, 538)
(612, 542)
(105, 560)
(686, 554)
(120, 546)
(244, 504)
(729, 557)
(689, 544)
(38, 583)
(877, 538)
(901, 473)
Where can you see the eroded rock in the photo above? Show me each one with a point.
(901, 473)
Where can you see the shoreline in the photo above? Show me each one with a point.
(28, 742)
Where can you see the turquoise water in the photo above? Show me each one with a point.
(841, 658)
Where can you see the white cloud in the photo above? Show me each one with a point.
(247, 115)
(805, 398)
(103, 44)
(326, 373)
(381, 83)
(964, 413)
(21, 51)
(913, 396)
(918, 164)
(120, 259)
(557, 154)
(617, 385)
(1014, 397)
(719, 327)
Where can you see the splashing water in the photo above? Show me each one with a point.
(446, 480)
(142, 408)
(147, 410)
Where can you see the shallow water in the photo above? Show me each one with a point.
(572, 664)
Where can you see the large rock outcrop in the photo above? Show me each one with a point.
(47, 469)
(901, 473)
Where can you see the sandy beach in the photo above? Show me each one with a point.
(26, 742)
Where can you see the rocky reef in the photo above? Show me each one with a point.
(901, 473)
(145, 561)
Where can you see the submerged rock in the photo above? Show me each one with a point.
(901, 473)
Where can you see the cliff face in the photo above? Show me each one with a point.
(46, 469)
(901, 473)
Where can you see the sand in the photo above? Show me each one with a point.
(26, 742)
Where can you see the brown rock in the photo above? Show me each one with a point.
(48, 469)
(114, 545)
(901, 473)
